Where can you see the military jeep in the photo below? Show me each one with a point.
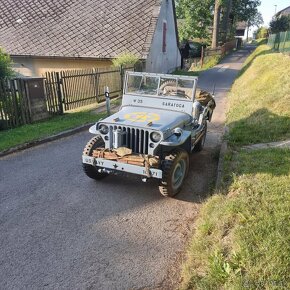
(162, 119)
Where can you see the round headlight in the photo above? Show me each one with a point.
(155, 137)
(103, 129)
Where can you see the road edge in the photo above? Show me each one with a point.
(45, 140)
(63, 134)
(221, 161)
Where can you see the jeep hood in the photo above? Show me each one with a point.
(141, 117)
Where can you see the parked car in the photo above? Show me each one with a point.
(161, 121)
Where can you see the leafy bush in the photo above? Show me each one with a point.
(262, 32)
(5, 65)
(125, 58)
(280, 24)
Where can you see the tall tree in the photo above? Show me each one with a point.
(196, 18)
(200, 16)
(254, 20)
(216, 18)
(280, 24)
(243, 10)
(226, 19)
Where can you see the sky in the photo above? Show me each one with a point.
(267, 8)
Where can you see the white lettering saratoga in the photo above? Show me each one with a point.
(172, 104)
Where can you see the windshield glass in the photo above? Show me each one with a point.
(160, 85)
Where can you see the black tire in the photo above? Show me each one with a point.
(200, 144)
(90, 170)
(175, 169)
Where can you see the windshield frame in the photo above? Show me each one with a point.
(161, 76)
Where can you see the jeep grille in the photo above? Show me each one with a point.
(133, 138)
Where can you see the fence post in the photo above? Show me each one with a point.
(285, 37)
(122, 77)
(97, 82)
(15, 99)
(59, 93)
(202, 56)
(277, 41)
(24, 103)
(108, 103)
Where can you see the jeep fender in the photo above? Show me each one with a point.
(174, 141)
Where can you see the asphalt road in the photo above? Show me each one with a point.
(62, 230)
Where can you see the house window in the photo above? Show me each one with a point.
(164, 36)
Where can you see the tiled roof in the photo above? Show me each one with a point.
(78, 28)
(241, 25)
(285, 11)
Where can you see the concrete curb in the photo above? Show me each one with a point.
(220, 169)
(279, 144)
(100, 109)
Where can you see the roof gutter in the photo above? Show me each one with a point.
(57, 57)
(66, 57)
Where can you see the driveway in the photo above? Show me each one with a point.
(62, 230)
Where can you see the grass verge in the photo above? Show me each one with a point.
(209, 62)
(242, 237)
(260, 41)
(260, 99)
(27, 133)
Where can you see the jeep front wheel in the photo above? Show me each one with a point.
(90, 170)
(175, 169)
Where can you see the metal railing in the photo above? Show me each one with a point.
(280, 41)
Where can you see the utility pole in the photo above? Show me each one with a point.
(275, 9)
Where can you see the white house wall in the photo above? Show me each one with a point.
(37, 67)
(158, 61)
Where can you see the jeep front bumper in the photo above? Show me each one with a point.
(124, 167)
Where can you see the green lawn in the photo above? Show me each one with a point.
(56, 124)
(242, 236)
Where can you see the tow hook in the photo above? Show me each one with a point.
(144, 179)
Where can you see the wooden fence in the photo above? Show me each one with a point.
(64, 91)
(67, 90)
(221, 50)
(14, 104)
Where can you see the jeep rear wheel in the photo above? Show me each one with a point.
(175, 169)
(200, 144)
(90, 170)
